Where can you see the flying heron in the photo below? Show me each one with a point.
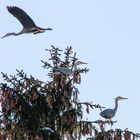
(67, 71)
(28, 24)
(110, 113)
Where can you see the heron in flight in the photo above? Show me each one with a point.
(67, 71)
(110, 113)
(28, 24)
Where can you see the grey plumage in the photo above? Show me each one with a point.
(22, 16)
(28, 24)
(68, 71)
(64, 70)
(110, 113)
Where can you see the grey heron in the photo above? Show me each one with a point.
(28, 24)
(67, 71)
(110, 113)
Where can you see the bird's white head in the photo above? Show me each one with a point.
(80, 62)
(120, 98)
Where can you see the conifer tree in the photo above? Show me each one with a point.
(32, 109)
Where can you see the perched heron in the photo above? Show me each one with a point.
(67, 71)
(110, 113)
(28, 24)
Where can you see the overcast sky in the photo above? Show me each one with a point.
(104, 33)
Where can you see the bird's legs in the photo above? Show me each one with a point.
(41, 30)
(38, 31)
(110, 122)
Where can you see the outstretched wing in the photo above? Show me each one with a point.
(21, 15)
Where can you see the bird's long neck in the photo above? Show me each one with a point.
(13, 33)
(116, 105)
(75, 67)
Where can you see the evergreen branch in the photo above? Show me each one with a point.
(91, 105)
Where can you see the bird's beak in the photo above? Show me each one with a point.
(84, 63)
(124, 98)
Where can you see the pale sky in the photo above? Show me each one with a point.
(104, 33)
